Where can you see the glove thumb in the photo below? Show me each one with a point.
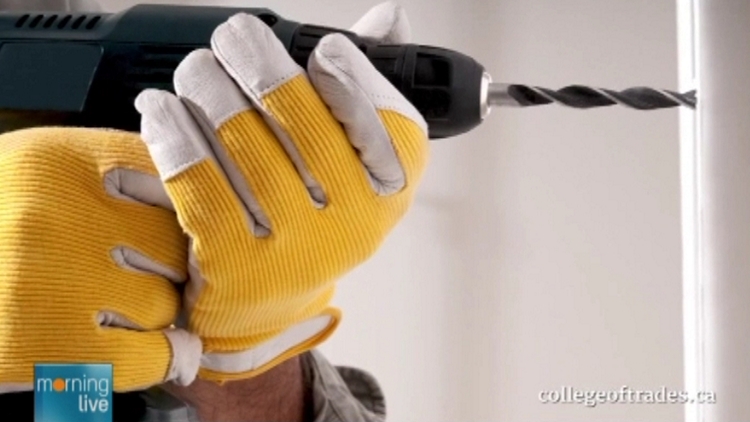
(385, 23)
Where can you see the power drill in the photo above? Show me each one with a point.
(87, 69)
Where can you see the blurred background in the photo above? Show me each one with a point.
(544, 247)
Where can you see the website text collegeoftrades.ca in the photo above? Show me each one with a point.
(624, 395)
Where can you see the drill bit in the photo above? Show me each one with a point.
(580, 96)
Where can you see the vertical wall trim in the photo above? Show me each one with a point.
(687, 43)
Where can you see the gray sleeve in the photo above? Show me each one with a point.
(342, 394)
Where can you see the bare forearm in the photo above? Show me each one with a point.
(277, 395)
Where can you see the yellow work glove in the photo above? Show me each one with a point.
(89, 252)
(282, 182)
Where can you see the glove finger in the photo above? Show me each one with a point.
(189, 170)
(143, 205)
(144, 359)
(140, 359)
(363, 101)
(139, 249)
(254, 57)
(136, 186)
(140, 301)
(385, 23)
(131, 259)
(116, 194)
(257, 61)
(256, 165)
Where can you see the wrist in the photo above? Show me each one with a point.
(278, 394)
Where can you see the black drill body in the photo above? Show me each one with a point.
(87, 69)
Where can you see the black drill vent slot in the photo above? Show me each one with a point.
(57, 22)
(155, 66)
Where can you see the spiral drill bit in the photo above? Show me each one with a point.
(580, 96)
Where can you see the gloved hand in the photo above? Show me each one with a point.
(283, 182)
(87, 262)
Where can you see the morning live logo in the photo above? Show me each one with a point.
(72, 392)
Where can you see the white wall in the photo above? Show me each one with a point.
(724, 197)
(585, 208)
(544, 247)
